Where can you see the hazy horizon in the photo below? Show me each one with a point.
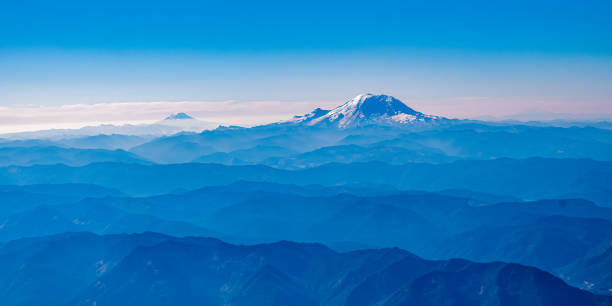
(37, 118)
(270, 61)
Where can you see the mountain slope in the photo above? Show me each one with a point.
(357, 154)
(151, 269)
(25, 156)
(252, 155)
(528, 178)
(549, 243)
(16, 199)
(53, 270)
(593, 272)
(490, 284)
(96, 217)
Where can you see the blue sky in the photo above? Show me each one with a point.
(524, 26)
(467, 58)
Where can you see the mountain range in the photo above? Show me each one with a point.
(153, 269)
(553, 235)
(172, 124)
(485, 213)
(365, 128)
(534, 178)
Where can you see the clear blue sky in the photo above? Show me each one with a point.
(541, 55)
(525, 26)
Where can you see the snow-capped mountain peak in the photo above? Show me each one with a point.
(184, 122)
(366, 109)
(178, 116)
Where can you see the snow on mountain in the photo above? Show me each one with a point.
(178, 116)
(366, 109)
(185, 122)
(317, 113)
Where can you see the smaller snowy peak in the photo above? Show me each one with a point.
(318, 112)
(178, 116)
(185, 123)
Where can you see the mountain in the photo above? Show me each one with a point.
(462, 283)
(30, 274)
(364, 110)
(252, 155)
(186, 147)
(371, 173)
(185, 123)
(273, 216)
(17, 199)
(178, 116)
(24, 156)
(534, 178)
(103, 141)
(477, 141)
(153, 269)
(357, 154)
(547, 234)
(298, 146)
(548, 243)
(565, 246)
(95, 217)
(593, 272)
(262, 212)
(431, 139)
(172, 124)
(78, 191)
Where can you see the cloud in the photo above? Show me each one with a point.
(32, 118)
(15, 119)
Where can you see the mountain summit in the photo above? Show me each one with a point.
(366, 109)
(178, 116)
(182, 122)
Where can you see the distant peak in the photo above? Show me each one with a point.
(318, 112)
(178, 116)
